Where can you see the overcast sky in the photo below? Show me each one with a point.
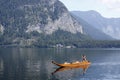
(107, 8)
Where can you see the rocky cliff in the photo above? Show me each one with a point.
(23, 21)
(1, 29)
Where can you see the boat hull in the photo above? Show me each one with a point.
(82, 64)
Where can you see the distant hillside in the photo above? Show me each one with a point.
(110, 26)
(90, 29)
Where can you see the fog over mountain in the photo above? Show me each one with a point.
(91, 30)
(110, 26)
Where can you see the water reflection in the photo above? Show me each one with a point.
(35, 64)
(1, 66)
(84, 68)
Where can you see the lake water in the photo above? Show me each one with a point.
(35, 64)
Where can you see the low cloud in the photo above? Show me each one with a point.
(112, 4)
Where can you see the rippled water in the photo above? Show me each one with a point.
(35, 64)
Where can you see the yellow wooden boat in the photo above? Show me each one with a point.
(76, 64)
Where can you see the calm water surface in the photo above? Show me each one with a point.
(35, 64)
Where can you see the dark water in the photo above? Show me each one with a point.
(35, 64)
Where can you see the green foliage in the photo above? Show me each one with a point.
(59, 37)
(98, 44)
(78, 40)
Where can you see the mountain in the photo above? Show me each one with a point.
(37, 22)
(110, 26)
(89, 29)
(1, 29)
